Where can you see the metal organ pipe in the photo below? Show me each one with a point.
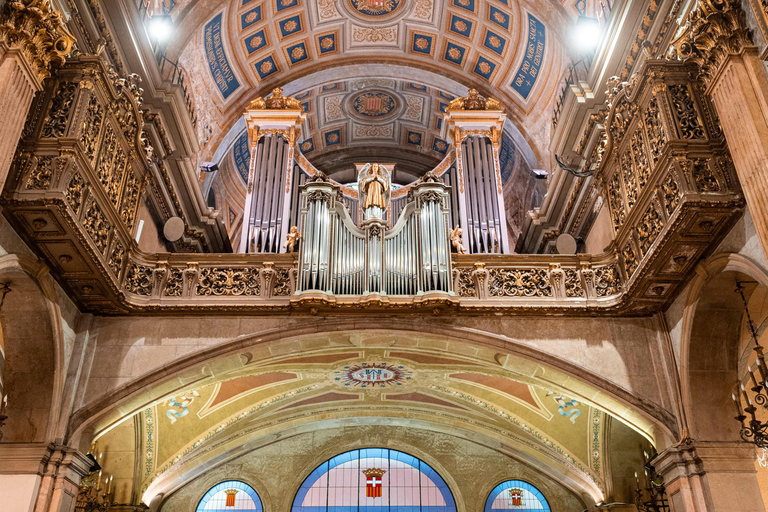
(341, 258)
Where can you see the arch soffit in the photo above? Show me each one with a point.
(234, 448)
(30, 268)
(705, 272)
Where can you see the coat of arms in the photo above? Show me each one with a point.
(373, 482)
(515, 497)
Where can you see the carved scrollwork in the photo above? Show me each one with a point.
(130, 199)
(704, 177)
(35, 28)
(91, 128)
(657, 137)
(474, 102)
(41, 173)
(671, 192)
(229, 281)
(630, 259)
(686, 113)
(97, 227)
(116, 258)
(616, 201)
(61, 106)
(281, 283)
(640, 157)
(519, 283)
(630, 181)
(139, 280)
(714, 30)
(174, 286)
(74, 193)
(465, 283)
(573, 286)
(607, 281)
(319, 196)
(648, 228)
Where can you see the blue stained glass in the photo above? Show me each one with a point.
(245, 499)
(518, 496)
(349, 482)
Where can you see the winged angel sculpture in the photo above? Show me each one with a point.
(374, 183)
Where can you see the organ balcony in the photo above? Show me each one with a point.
(440, 244)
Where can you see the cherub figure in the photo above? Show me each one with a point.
(292, 239)
(456, 239)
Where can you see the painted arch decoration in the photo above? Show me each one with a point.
(374, 480)
(518, 496)
(230, 496)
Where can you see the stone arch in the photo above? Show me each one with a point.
(645, 417)
(709, 351)
(34, 351)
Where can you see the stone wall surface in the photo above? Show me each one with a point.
(276, 471)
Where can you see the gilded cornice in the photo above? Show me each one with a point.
(37, 30)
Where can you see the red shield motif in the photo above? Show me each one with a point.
(516, 497)
(230, 497)
(373, 103)
(373, 482)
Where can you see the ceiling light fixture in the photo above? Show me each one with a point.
(587, 34)
(161, 27)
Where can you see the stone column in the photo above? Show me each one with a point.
(32, 40)
(40, 477)
(710, 477)
(719, 42)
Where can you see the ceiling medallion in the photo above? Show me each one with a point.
(367, 375)
(378, 9)
(374, 105)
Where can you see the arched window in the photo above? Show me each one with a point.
(518, 496)
(230, 496)
(374, 480)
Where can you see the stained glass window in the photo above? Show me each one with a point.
(374, 480)
(230, 496)
(518, 496)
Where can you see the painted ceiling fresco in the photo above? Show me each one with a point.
(236, 48)
(394, 383)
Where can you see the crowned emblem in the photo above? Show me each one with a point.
(373, 482)
(231, 493)
(516, 497)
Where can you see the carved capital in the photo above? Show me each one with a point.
(37, 30)
(716, 29)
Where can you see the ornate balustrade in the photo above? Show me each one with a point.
(665, 168)
(81, 168)
(78, 176)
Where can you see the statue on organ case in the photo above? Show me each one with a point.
(374, 183)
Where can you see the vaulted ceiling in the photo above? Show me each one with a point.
(234, 50)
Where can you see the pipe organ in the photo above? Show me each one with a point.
(341, 258)
(265, 216)
(484, 228)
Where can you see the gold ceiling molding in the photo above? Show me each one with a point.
(715, 29)
(37, 30)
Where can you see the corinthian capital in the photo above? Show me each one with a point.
(36, 29)
(715, 29)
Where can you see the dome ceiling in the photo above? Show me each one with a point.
(235, 50)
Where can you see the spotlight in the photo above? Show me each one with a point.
(587, 34)
(161, 27)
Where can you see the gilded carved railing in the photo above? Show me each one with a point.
(78, 176)
(670, 184)
(80, 170)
